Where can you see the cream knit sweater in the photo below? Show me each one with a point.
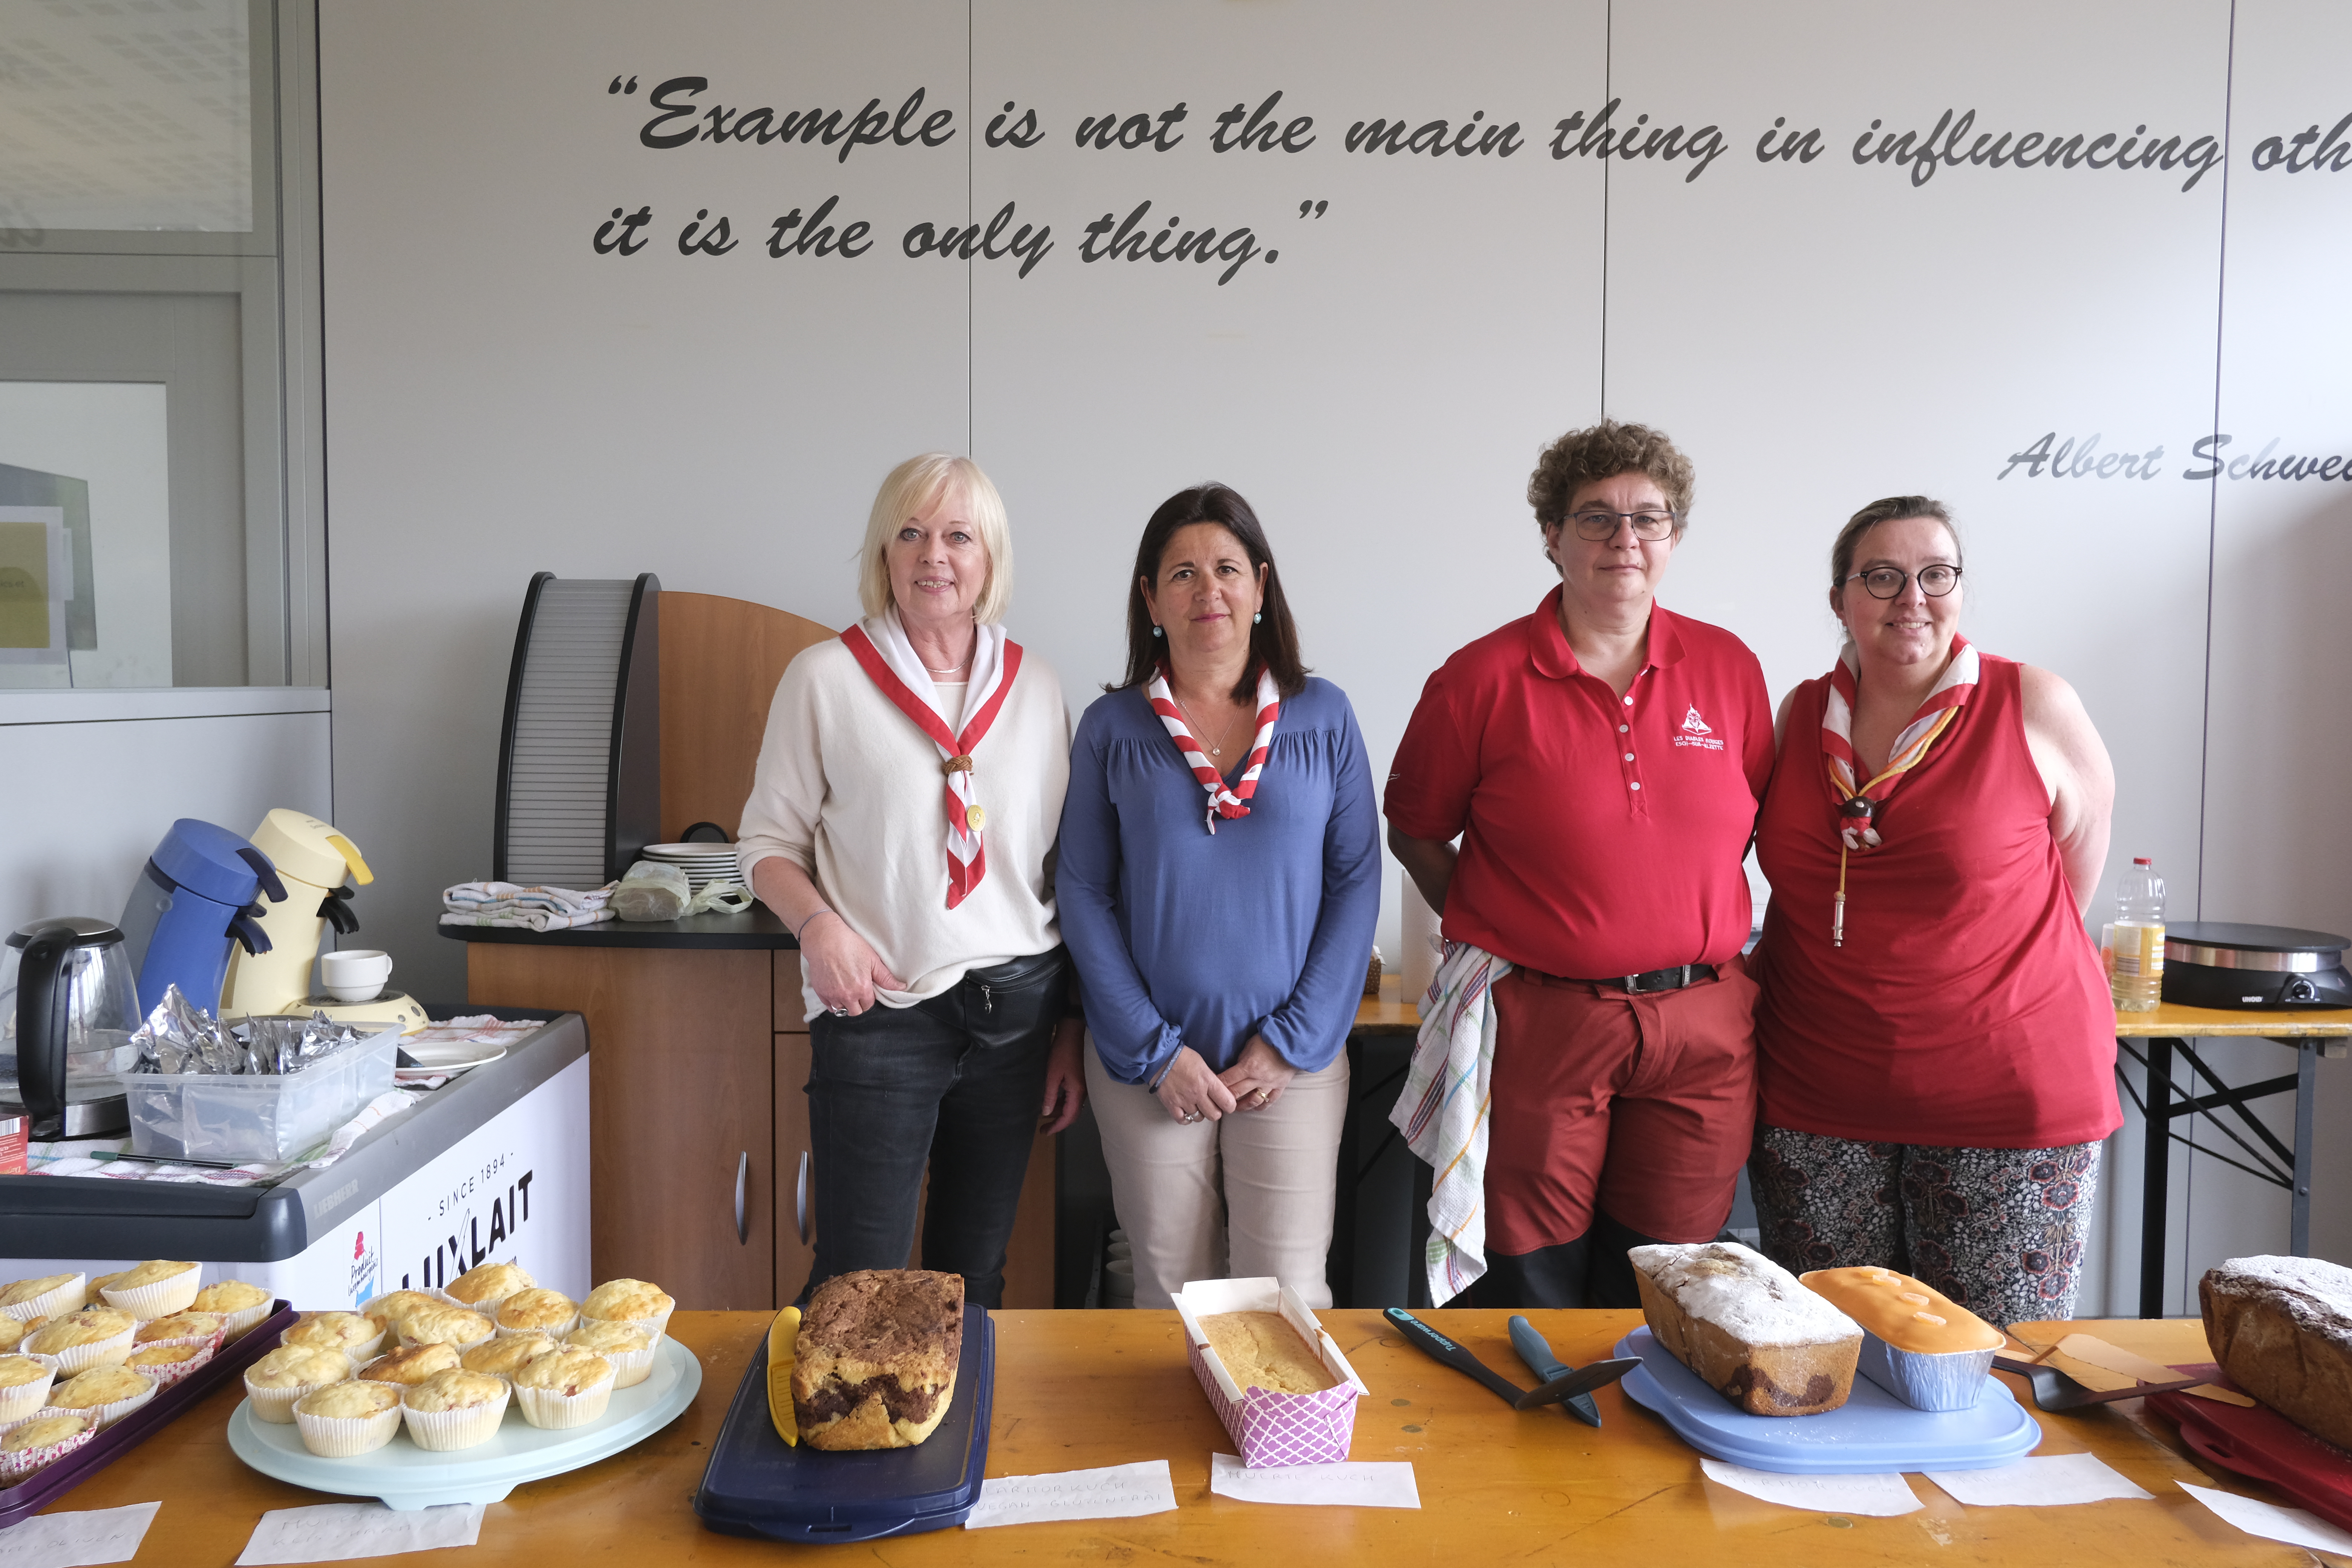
(850, 791)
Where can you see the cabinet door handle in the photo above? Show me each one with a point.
(801, 1198)
(743, 1193)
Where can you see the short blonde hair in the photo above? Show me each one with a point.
(914, 488)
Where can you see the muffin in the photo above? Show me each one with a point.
(187, 1325)
(94, 1336)
(410, 1365)
(274, 1383)
(41, 1442)
(356, 1336)
(629, 1302)
(104, 1394)
(629, 1348)
(446, 1325)
(46, 1297)
(156, 1288)
(238, 1304)
(569, 1387)
(24, 1387)
(12, 1334)
(538, 1312)
(391, 1311)
(501, 1356)
(169, 1361)
(343, 1420)
(483, 1288)
(454, 1409)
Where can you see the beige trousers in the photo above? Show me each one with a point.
(1246, 1195)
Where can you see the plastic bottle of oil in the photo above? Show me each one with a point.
(2136, 941)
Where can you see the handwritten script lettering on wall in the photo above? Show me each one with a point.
(688, 115)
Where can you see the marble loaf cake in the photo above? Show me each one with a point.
(876, 1362)
(2282, 1328)
(1747, 1328)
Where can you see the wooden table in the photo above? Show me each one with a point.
(2167, 1029)
(1076, 1390)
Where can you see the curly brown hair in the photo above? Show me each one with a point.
(1608, 448)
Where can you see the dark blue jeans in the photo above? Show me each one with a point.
(951, 1084)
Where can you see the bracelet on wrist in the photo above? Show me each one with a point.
(807, 920)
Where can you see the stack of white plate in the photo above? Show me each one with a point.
(701, 862)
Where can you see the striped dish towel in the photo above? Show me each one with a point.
(534, 907)
(1443, 1112)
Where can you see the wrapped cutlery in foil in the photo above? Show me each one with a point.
(179, 1037)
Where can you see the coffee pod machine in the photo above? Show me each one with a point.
(2219, 963)
(314, 863)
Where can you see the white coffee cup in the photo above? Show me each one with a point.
(354, 974)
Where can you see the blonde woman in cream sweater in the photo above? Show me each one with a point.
(901, 821)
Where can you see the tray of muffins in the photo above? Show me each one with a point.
(1844, 1371)
(89, 1367)
(423, 1398)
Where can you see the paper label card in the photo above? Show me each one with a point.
(1114, 1491)
(1377, 1484)
(1872, 1497)
(2051, 1481)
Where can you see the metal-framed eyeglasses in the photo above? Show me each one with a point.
(1600, 526)
(1888, 582)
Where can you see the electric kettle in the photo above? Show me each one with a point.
(68, 1004)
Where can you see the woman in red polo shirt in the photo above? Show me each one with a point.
(1936, 1045)
(1602, 760)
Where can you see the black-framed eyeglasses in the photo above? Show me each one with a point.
(1599, 526)
(1887, 582)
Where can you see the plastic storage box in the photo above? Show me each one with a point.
(190, 1117)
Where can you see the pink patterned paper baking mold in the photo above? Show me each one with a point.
(1274, 1429)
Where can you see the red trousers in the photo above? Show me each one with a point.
(1640, 1106)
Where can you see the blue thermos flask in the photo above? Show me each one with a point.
(194, 897)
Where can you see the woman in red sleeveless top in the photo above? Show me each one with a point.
(1935, 1041)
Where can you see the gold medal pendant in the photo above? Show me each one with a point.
(975, 817)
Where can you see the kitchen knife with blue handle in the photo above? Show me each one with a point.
(1536, 1351)
(1437, 1347)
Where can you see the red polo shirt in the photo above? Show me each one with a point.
(1601, 836)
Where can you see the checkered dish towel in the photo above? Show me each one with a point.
(539, 908)
(1443, 1112)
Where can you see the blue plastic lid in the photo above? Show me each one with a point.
(213, 863)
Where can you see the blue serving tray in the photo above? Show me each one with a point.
(757, 1484)
(1872, 1433)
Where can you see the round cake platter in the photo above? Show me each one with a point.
(406, 1477)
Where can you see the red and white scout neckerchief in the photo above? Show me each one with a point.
(1858, 804)
(881, 648)
(1222, 802)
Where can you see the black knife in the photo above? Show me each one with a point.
(1437, 1347)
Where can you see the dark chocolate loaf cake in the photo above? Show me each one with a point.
(876, 1363)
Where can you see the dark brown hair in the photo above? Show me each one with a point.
(1888, 510)
(1586, 457)
(1273, 641)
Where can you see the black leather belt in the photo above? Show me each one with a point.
(1650, 981)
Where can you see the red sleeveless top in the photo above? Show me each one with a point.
(1967, 1008)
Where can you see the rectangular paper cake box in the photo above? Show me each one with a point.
(1271, 1428)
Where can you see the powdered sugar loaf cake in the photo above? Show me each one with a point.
(2282, 1328)
(1747, 1327)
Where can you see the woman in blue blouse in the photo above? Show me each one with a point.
(1219, 882)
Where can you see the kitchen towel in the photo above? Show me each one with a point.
(1373, 1484)
(1870, 1496)
(1442, 1111)
(513, 904)
(339, 1532)
(1115, 1491)
(77, 1540)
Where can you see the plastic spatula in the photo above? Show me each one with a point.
(1437, 1347)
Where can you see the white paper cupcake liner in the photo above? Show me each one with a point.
(555, 1333)
(23, 1401)
(442, 1431)
(22, 1467)
(235, 1325)
(169, 1372)
(276, 1405)
(556, 1410)
(347, 1437)
(112, 1351)
(109, 1413)
(70, 1297)
(654, 1327)
(160, 1300)
(631, 1368)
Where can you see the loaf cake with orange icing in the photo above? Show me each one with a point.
(1919, 1344)
(1747, 1328)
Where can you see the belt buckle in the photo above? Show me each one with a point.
(1634, 987)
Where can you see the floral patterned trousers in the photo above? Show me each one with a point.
(2000, 1231)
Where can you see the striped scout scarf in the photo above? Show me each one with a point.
(881, 646)
(1222, 802)
(1858, 804)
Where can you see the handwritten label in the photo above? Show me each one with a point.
(1872, 1497)
(1115, 1491)
(1381, 1484)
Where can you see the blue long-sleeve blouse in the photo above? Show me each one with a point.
(1185, 938)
